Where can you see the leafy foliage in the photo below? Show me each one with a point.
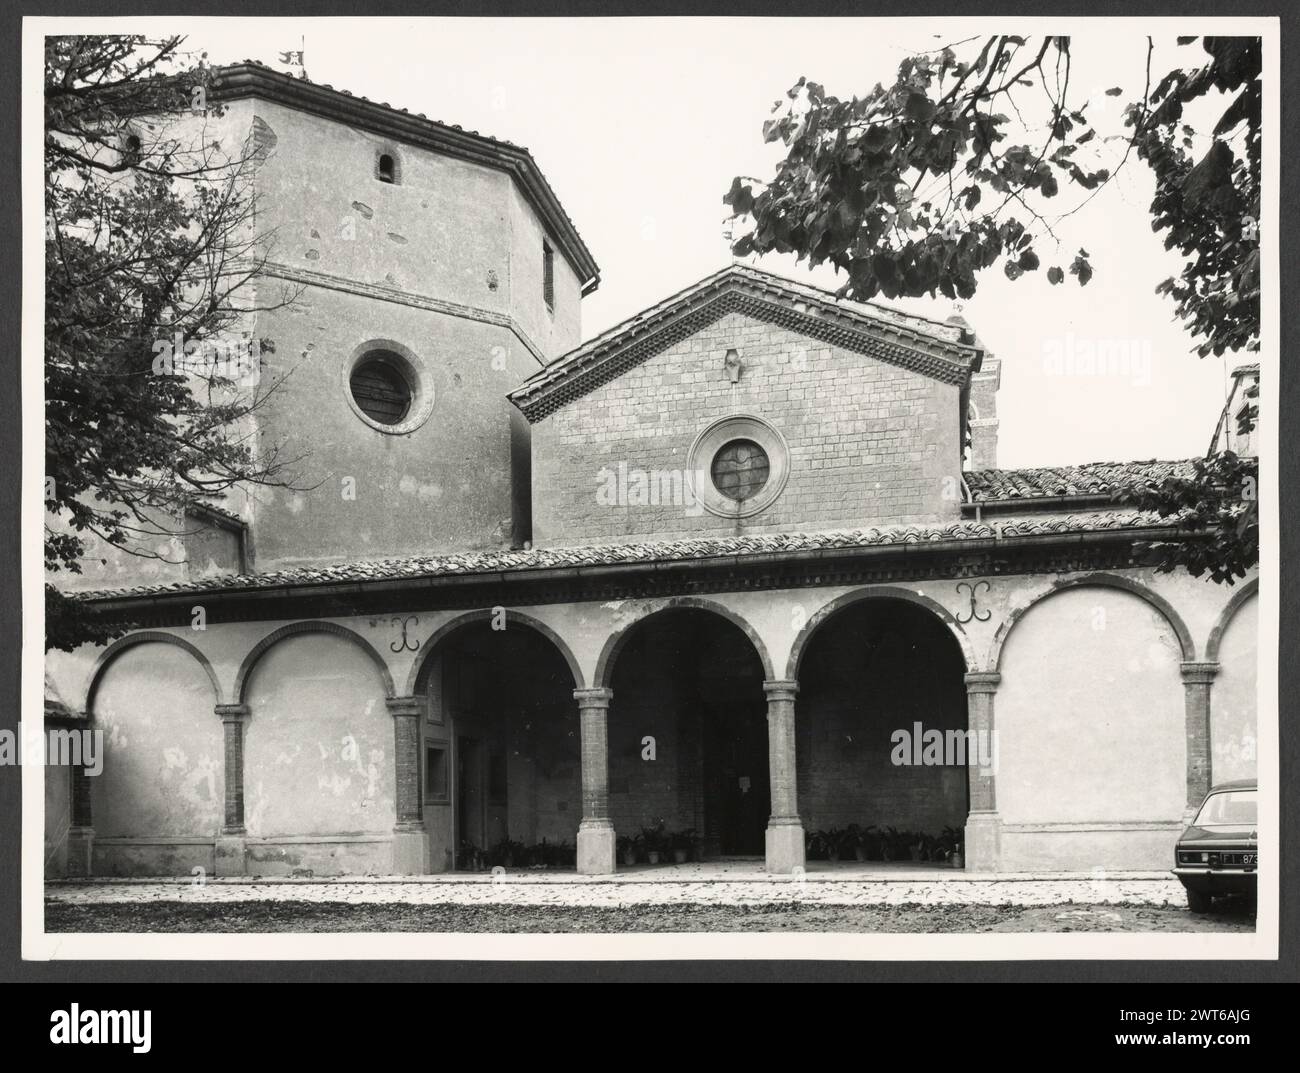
(150, 251)
(917, 187)
(1219, 505)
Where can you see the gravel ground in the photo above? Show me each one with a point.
(525, 890)
(290, 915)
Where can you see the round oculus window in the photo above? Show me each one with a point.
(380, 389)
(740, 470)
(738, 466)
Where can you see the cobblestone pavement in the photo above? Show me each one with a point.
(615, 892)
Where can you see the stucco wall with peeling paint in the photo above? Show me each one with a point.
(162, 771)
(319, 744)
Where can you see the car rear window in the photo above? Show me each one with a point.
(1232, 808)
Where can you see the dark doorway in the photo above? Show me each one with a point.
(738, 797)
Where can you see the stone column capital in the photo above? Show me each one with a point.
(982, 681)
(781, 689)
(593, 698)
(1195, 673)
(233, 713)
(404, 706)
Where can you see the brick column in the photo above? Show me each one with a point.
(784, 837)
(983, 824)
(231, 844)
(596, 831)
(1198, 679)
(81, 827)
(410, 840)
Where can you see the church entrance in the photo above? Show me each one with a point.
(737, 793)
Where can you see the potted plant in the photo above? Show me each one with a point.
(507, 853)
(818, 845)
(628, 845)
(470, 857)
(955, 857)
(834, 843)
(652, 838)
(859, 840)
(682, 844)
(916, 847)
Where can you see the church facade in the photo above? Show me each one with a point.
(743, 566)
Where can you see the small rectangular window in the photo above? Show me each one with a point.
(548, 275)
(436, 788)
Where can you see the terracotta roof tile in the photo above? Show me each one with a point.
(1089, 479)
(596, 555)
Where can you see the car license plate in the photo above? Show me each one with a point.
(1248, 859)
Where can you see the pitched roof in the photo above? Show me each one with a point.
(947, 352)
(1094, 479)
(603, 555)
(253, 79)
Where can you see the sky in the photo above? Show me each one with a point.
(641, 124)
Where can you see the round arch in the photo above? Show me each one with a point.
(1105, 581)
(146, 637)
(477, 617)
(884, 592)
(616, 641)
(314, 626)
(1229, 612)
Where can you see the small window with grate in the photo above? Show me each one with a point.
(380, 388)
(386, 169)
(548, 275)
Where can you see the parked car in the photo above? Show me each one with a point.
(1219, 852)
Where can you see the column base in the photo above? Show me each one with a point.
(596, 848)
(228, 855)
(81, 846)
(785, 847)
(983, 849)
(410, 850)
